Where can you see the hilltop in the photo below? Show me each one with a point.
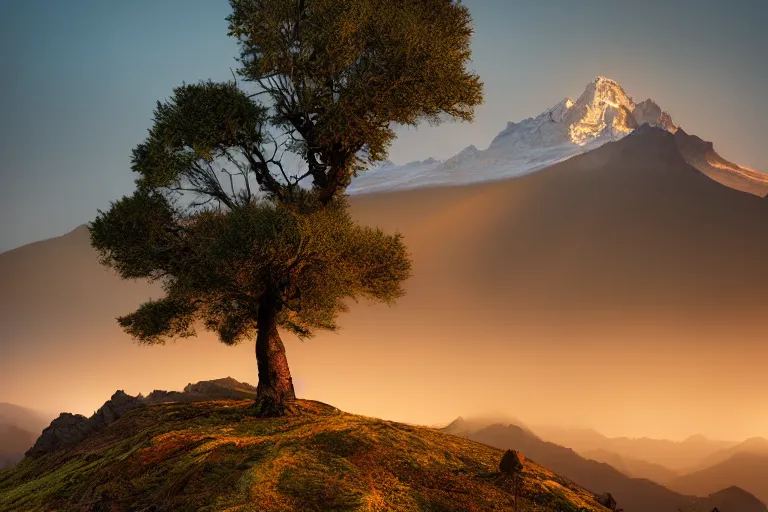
(214, 456)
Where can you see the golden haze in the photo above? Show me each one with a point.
(630, 302)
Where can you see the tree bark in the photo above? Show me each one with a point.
(275, 384)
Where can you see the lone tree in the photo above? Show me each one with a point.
(241, 244)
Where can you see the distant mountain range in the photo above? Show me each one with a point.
(701, 466)
(755, 445)
(744, 465)
(603, 113)
(19, 428)
(697, 465)
(680, 457)
(631, 494)
(630, 466)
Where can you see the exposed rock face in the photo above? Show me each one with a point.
(218, 389)
(114, 408)
(66, 430)
(649, 112)
(69, 429)
(511, 462)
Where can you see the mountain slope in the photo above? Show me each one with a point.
(214, 456)
(19, 427)
(631, 494)
(678, 456)
(733, 498)
(604, 112)
(701, 155)
(753, 446)
(14, 441)
(601, 269)
(636, 468)
(748, 471)
(628, 229)
(22, 417)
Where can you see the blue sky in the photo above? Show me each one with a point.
(80, 80)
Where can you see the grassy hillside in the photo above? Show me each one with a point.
(214, 456)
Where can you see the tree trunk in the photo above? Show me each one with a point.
(275, 384)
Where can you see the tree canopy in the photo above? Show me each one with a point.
(244, 243)
(216, 269)
(340, 74)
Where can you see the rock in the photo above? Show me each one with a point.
(66, 430)
(606, 500)
(159, 396)
(511, 462)
(69, 429)
(115, 407)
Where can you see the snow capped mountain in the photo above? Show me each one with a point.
(604, 112)
(649, 112)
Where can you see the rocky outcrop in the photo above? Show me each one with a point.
(114, 408)
(65, 431)
(69, 429)
(218, 389)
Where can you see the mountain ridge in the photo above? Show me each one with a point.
(745, 470)
(603, 113)
(632, 494)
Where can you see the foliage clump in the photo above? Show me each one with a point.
(246, 240)
(215, 269)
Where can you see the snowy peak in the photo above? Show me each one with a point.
(602, 113)
(559, 111)
(456, 161)
(649, 112)
(603, 92)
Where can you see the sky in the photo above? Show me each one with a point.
(81, 78)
